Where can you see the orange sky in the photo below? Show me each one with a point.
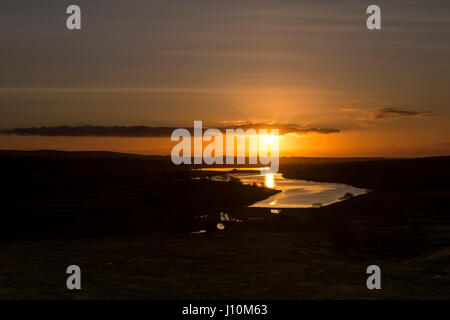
(312, 64)
(359, 143)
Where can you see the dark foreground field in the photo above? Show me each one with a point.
(126, 221)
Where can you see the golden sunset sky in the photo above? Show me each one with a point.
(309, 64)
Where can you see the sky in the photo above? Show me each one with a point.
(306, 64)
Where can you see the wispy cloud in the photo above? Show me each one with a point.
(385, 113)
(146, 131)
(390, 113)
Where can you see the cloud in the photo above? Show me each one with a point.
(391, 113)
(93, 131)
(284, 129)
(145, 131)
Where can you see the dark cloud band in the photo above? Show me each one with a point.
(145, 131)
(389, 113)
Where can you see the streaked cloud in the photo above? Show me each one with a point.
(386, 113)
(146, 131)
(391, 113)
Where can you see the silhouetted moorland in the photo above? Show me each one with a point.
(126, 220)
(405, 214)
(49, 193)
(383, 174)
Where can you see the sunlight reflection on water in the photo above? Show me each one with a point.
(294, 193)
(269, 180)
(298, 193)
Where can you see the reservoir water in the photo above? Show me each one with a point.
(294, 193)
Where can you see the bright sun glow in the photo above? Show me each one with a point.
(269, 139)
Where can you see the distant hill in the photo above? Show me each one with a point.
(79, 154)
(117, 155)
(424, 173)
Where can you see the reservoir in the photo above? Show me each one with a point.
(294, 193)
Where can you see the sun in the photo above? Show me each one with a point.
(269, 139)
